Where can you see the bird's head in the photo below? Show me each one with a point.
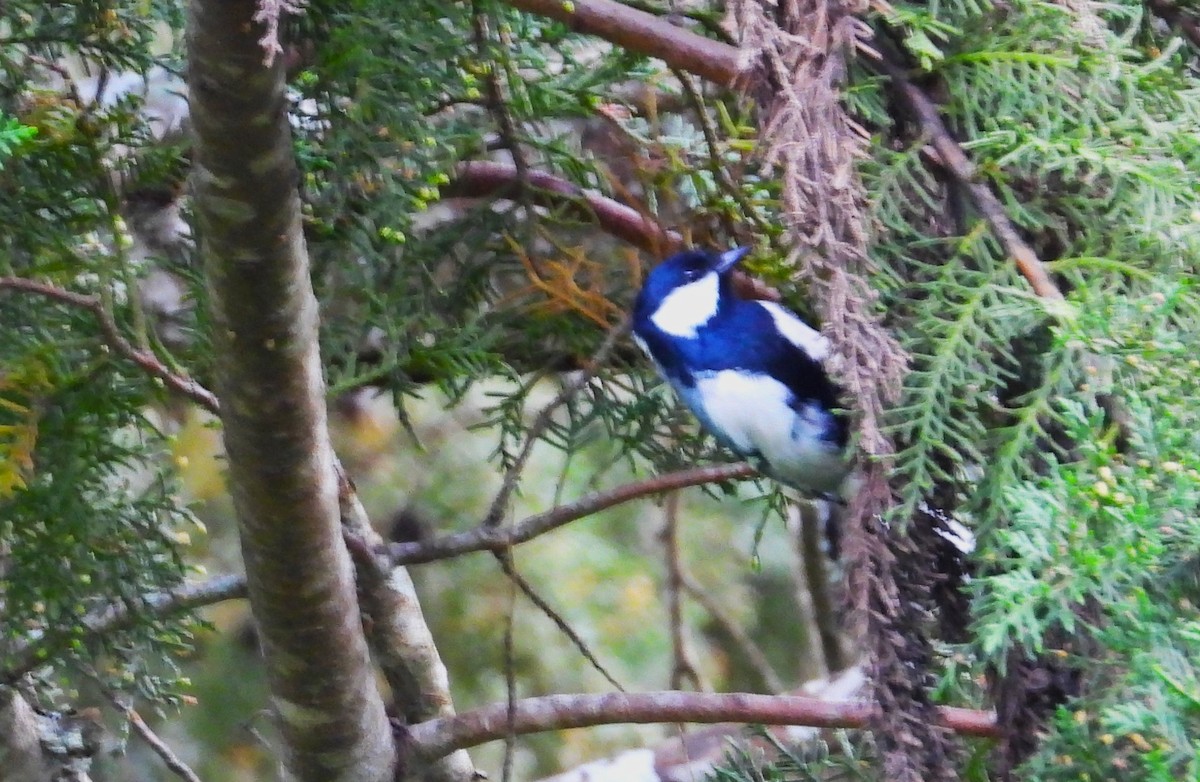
(683, 292)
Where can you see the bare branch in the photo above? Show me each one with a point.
(504, 558)
(156, 744)
(558, 712)
(397, 632)
(476, 179)
(145, 359)
(498, 538)
(684, 665)
(643, 33)
(1173, 14)
(800, 517)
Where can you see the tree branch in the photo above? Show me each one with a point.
(145, 359)
(498, 538)
(1173, 14)
(478, 178)
(267, 364)
(643, 33)
(156, 744)
(398, 634)
(721, 63)
(954, 160)
(119, 616)
(435, 738)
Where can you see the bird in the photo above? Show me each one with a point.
(751, 371)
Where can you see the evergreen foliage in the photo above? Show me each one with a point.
(1082, 118)
(89, 513)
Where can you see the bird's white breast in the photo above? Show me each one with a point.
(751, 412)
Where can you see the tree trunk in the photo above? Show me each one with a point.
(268, 374)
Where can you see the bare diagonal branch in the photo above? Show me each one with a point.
(499, 538)
(115, 340)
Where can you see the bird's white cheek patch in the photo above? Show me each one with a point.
(688, 307)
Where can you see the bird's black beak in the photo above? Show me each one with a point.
(728, 259)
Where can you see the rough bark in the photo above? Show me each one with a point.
(401, 641)
(281, 464)
(20, 750)
(41, 746)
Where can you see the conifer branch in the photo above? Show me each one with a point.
(432, 739)
(722, 63)
(544, 418)
(116, 341)
(954, 160)
(117, 616)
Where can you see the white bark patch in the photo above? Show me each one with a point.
(301, 717)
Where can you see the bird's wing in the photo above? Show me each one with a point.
(797, 332)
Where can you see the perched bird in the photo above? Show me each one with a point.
(752, 373)
(749, 370)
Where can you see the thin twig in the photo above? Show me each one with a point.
(497, 538)
(683, 667)
(156, 744)
(510, 570)
(815, 564)
(717, 167)
(435, 738)
(730, 627)
(510, 681)
(800, 517)
(497, 103)
(543, 419)
(145, 359)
